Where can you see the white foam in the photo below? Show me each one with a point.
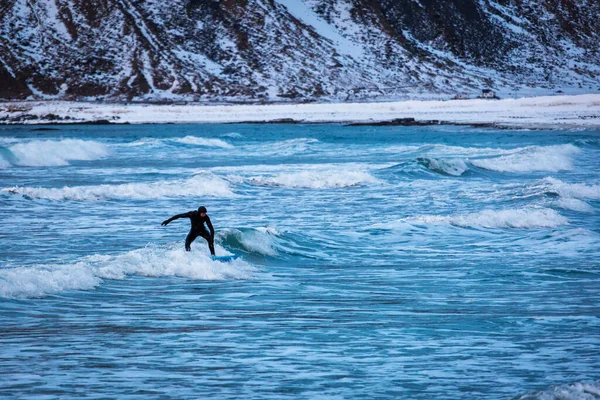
(47, 153)
(89, 272)
(574, 190)
(316, 179)
(576, 391)
(511, 218)
(532, 158)
(201, 184)
(207, 142)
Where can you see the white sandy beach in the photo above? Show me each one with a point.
(572, 111)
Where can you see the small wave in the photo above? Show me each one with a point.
(450, 166)
(202, 184)
(143, 142)
(233, 135)
(316, 179)
(7, 158)
(260, 240)
(50, 153)
(284, 148)
(189, 140)
(459, 151)
(206, 142)
(530, 159)
(576, 391)
(265, 241)
(89, 272)
(588, 142)
(512, 218)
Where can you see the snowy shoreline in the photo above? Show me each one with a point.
(569, 111)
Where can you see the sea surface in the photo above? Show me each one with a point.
(376, 262)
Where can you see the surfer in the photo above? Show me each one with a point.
(197, 218)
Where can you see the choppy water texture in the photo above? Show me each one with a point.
(396, 262)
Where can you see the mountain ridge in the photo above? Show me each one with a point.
(295, 50)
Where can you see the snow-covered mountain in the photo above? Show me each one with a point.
(295, 50)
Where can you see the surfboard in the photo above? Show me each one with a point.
(225, 258)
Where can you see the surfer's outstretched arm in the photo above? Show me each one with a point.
(173, 218)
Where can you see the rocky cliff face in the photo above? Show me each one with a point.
(298, 50)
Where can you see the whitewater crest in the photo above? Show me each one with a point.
(203, 183)
(531, 159)
(188, 140)
(206, 142)
(572, 190)
(572, 195)
(334, 178)
(455, 161)
(525, 218)
(51, 153)
(89, 272)
(233, 135)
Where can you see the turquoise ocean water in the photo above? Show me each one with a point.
(376, 262)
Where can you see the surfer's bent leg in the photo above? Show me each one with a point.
(189, 239)
(210, 240)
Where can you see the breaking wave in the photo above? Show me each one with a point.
(206, 142)
(7, 158)
(572, 190)
(525, 218)
(571, 194)
(532, 158)
(51, 153)
(189, 140)
(575, 205)
(261, 241)
(455, 161)
(316, 179)
(201, 184)
(449, 166)
(576, 391)
(89, 272)
(265, 241)
(233, 135)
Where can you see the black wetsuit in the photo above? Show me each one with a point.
(197, 229)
